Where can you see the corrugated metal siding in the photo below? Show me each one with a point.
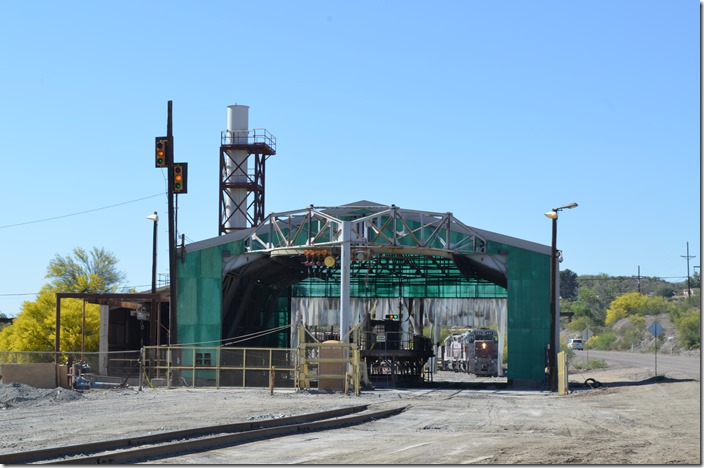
(528, 313)
(200, 294)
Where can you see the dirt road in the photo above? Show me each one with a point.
(632, 419)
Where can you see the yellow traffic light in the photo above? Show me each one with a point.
(160, 145)
(180, 178)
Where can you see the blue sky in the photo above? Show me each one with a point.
(494, 111)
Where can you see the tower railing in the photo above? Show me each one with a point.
(255, 136)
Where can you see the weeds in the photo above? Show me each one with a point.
(589, 364)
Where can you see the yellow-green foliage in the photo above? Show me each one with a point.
(636, 304)
(34, 329)
(623, 306)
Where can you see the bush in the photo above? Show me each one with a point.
(603, 342)
(589, 364)
(630, 333)
(630, 337)
(689, 329)
(578, 324)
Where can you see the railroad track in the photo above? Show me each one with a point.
(174, 443)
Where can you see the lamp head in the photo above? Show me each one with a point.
(153, 217)
(568, 206)
(551, 214)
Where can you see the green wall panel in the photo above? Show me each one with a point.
(200, 294)
(528, 324)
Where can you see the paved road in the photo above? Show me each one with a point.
(667, 364)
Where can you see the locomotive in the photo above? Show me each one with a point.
(475, 351)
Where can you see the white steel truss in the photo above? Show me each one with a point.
(374, 226)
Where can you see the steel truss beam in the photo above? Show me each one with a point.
(373, 227)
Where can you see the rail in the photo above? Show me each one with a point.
(168, 444)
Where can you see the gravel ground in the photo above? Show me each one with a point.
(649, 422)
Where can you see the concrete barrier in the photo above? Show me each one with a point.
(42, 375)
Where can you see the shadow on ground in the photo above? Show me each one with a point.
(659, 379)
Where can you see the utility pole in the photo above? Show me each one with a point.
(638, 279)
(689, 286)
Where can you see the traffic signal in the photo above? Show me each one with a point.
(391, 316)
(180, 178)
(160, 151)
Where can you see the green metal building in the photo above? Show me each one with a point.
(238, 284)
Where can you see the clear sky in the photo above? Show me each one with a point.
(496, 111)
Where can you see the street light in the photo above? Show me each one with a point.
(552, 353)
(155, 319)
(154, 217)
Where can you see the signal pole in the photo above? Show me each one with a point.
(173, 276)
(177, 176)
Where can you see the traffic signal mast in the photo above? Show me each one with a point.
(177, 184)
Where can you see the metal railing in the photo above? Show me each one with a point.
(326, 366)
(219, 366)
(253, 136)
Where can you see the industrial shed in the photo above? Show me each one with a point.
(334, 267)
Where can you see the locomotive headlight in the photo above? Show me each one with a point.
(483, 345)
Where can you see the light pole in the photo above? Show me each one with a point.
(154, 318)
(552, 353)
(154, 217)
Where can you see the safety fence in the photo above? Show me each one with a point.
(332, 366)
(326, 366)
(175, 366)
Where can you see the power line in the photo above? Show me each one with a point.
(126, 288)
(81, 212)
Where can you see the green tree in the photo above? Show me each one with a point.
(93, 271)
(578, 324)
(568, 284)
(666, 290)
(34, 328)
(589, 304)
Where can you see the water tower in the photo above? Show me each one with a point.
(243, 154)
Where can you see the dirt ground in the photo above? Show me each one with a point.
(633, 419)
